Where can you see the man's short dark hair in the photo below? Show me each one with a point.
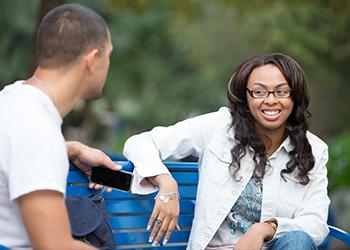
(66, 32)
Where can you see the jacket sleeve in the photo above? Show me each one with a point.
(147, 150)
(311, 215)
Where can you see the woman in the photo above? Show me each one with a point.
(263, 178)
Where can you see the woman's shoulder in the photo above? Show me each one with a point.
(223, 124)
(221, 116)
(317, 144)
(224, 114)
(224, 110)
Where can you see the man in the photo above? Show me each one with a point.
(73, 49)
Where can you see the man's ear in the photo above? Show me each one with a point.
(90, 59)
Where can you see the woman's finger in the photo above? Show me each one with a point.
(150, 222)
(169, 231)
(162, 228)
(156, 226)
(154, 215)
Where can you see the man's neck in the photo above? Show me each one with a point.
(60, 85)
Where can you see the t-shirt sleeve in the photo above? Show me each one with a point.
(38, 160)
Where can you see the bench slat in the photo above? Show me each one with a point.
(149, 247)
(142, 206)
(140, 221)
(186, 192)
(172, 166)
(182, 178)
(128, 238)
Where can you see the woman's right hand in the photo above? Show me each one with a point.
(164, 217)
(254, 238)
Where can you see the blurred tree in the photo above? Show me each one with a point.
(315, 33)
(339, 161)
(173, 59)
(17, 25)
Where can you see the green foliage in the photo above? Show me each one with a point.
(17, 25)
(172, 60)
(180, 56)
(339, 162)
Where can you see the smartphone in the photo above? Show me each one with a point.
(115, 179)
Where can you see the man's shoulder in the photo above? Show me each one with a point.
(8, 88)
(23, 105)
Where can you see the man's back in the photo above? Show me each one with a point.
(73, 48)
(29, 132)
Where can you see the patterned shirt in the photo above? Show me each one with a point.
(244, 213)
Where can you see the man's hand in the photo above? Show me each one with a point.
(85, 158)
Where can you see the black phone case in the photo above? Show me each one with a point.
(120, 180)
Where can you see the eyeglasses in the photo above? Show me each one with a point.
(263, 93)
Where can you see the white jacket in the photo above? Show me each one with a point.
(209, 137)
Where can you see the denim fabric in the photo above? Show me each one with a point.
(89, 221)
(294, 240)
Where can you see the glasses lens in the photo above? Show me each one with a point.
(263, 93)
(260, 93)
(283, 93)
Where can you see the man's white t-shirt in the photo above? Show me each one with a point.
(33, 155)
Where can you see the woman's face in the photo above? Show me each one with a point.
(270, 113)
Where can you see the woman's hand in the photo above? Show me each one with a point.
(85, 158)
(254, 238)
(164, 217)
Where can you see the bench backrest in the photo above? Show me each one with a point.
(129, 214)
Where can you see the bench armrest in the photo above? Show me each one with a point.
(339, 234)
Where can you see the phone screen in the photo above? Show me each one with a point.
(115, 179)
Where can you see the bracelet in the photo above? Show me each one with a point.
(166, 197)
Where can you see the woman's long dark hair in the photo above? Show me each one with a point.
(243, 123)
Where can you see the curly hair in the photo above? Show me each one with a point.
(243, 123)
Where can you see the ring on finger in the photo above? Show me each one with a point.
(159, 221)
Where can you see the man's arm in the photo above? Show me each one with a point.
(45, 218)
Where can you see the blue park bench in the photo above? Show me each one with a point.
(129, 213)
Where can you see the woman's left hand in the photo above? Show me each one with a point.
(164, 217)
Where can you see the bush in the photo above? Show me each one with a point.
(339, 162)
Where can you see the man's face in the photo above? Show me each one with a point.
(102, 68)
(98, 78)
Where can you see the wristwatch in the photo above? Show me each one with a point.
(273, 223)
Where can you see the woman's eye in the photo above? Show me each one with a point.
(259, 92)
(282, 92)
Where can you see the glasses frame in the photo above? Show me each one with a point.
(268, 94)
